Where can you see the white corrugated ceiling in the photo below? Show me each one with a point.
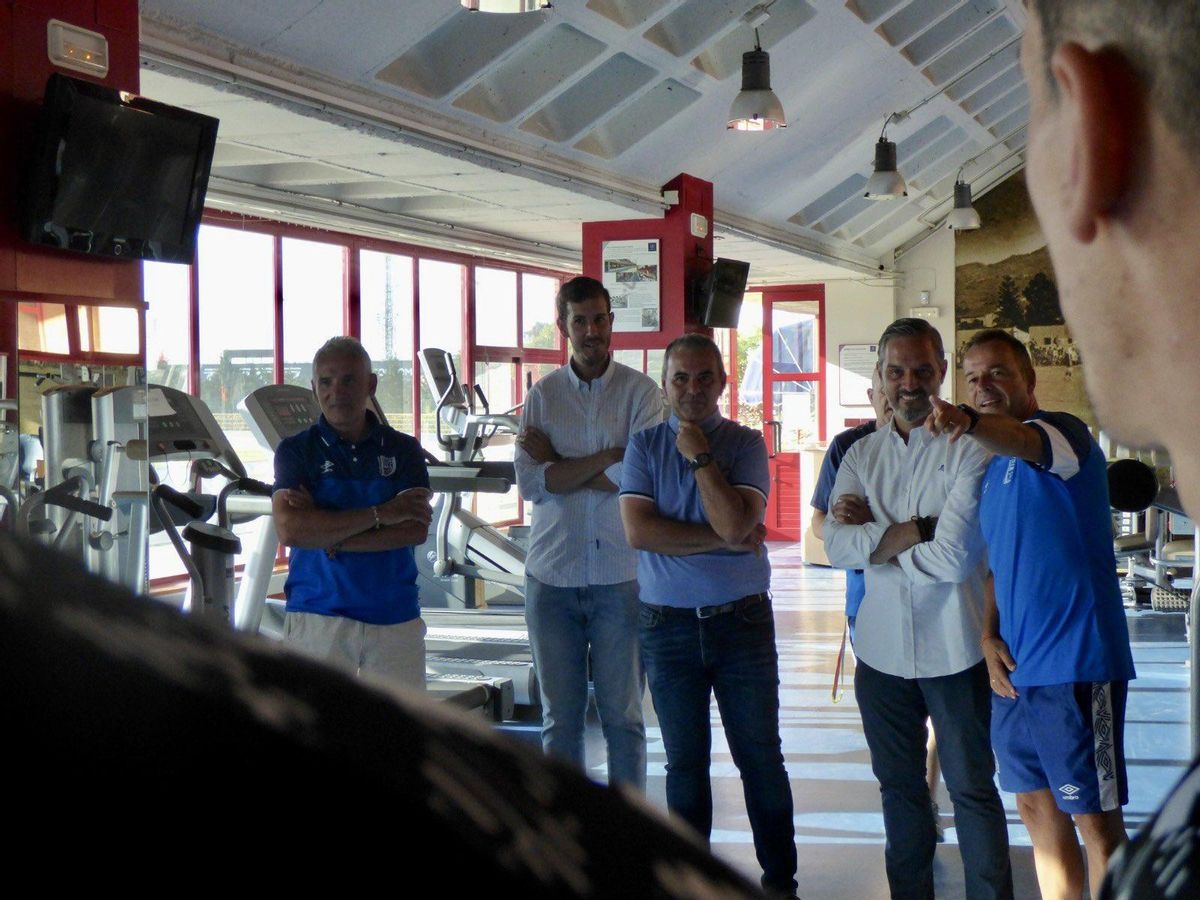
(504, 133)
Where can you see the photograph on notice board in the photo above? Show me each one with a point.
(631, 277)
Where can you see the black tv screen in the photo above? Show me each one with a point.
(115, 174)
(723, 300)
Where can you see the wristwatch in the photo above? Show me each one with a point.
(972, 414)
(701, 460)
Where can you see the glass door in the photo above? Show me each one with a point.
(792, 390)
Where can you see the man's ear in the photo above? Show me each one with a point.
(1102, 105)
(374, 382)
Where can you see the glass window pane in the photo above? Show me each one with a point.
(538, 312)
(386, 286)
(498, 381)
(42, 328)
(314, 296)
(795, 408)
(495, 308)
(654, 364)
(535, 372)
(794, 342)
(108, 329)
(721, 338)
(442, 296)
(749, 361)
(635, 359)
(166, 291)
(237, 331)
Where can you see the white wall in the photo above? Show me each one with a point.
(856, 312)
(930, 267)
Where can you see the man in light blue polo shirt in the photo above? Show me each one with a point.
(581, 592)
(693, 493)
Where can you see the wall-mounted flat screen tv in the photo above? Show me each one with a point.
(115, 174)
(721, 301)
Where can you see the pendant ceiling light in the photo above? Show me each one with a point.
(886, 183)
(756, 108)
(505, 6)
(963, 217)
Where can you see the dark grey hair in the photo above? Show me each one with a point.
(911, 328)
(692, 341)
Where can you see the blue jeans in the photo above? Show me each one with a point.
(894, 711)
(733, 656)
(564, 624)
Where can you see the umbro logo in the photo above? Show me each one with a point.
(327, 467)
(1069, 792)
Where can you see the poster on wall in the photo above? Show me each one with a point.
(1004, 279)
(631, 277)
(857, 362)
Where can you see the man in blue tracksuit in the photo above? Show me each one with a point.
(1054, 636)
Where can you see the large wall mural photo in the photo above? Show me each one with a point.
(1004, 279)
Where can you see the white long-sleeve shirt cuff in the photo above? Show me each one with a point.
(851, 546)
(531, 477)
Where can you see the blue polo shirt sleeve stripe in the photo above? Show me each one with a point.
(1065, 443)
(753, 488)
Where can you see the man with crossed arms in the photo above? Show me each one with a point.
(906, 512)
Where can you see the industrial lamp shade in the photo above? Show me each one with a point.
(756, 108)
(886, 183)
(505, 6)
(963, 217)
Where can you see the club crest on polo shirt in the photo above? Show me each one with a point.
(387, 466)
(327, 467)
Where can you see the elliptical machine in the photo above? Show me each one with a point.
(182, 427)
(466, 563)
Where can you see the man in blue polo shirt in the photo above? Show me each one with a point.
(693, 493)
(1054, 637)
(351, 499)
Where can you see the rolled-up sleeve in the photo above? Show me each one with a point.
(531, 476)
(957, 548)
(851, 546)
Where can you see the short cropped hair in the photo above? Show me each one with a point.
(342, 346)
(692, 341)
(1157, 37)
(919, 328)
(579, 289)
(1000, 336)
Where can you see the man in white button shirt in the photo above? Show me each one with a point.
(906, 513)
(581, 593)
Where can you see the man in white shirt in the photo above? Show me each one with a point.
(906, 513)
(581, 592)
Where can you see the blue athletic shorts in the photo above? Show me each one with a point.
(1069, 738)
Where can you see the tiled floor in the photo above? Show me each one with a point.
(839, 826)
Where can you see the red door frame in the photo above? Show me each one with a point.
(784, 520)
